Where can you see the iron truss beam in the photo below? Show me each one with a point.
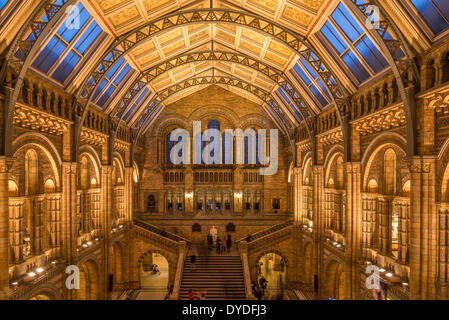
(147, 76)
(399, 56)
(20, 55)
(142, 122)
(291, 39)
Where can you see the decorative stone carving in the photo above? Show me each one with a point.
(381, 121)
(28, 117)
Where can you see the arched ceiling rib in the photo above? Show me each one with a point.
(128, 42)
(226, 57)
(227, 80)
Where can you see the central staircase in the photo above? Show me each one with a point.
(221, 276)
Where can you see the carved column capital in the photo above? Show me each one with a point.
(6, 164)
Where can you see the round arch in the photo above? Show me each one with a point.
(89, 281)
(335, 280)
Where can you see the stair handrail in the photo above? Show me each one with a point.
(156, 230)
(246, 272)
(270, 230)
(182, 245)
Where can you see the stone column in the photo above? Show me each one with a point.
(423, 229)
(318, 227)
(106, 224)
(297, 198)
(16, 232)
(5, 164)
(353, 218)
(69, 218)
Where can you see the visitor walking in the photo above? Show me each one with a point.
(192, 262)
(210, 241)
(219, 244)
(229, 243)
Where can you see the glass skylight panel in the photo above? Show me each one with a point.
(309, 76)
(434, 12)
(353, 44)
(3, 3)
(65, 50)
(288, 102)
(142, 98)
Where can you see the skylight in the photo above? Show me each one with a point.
(435, 13)
(75, 35)
(352, 43)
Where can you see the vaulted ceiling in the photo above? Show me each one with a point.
(122, 16)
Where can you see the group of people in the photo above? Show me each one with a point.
(199, 295)
(214, 241)
(259, 286)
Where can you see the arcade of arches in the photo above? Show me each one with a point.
(99, 151)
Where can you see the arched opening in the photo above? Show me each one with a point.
(336, 281)
(31, 173)
(89, 279)
(41, 297)
(390, 172)
(13, 189)
(154, 283)
(372, 186)
(49, 186)
(273, 268)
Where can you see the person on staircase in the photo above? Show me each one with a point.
(219, 244)
(210, 241)
(191, 295)
(192, 262)
(229, 243)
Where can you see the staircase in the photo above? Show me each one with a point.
(221, 276)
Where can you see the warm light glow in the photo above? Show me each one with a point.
(381, 270)
(39, 270)
(89, 243)
(84, 245)
(404, 283)
(389, 274)
(32, 274)
(15, 283)
(238, 195)
(189, 195)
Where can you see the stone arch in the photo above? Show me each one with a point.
(380, 143)
(118, 175)
(333, 154)
(170, 120)
(90, 284)
(44, 145)
(255, 119)
(218, 111)
(92, 154)
(46, 290)
(335, 280)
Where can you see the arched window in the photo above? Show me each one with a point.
(84, 173)
(50, 186)
(372, 186)
(406, 189)
(252, 147)
(31, 172)
(13, 190)
(212, 125)
(390, 172)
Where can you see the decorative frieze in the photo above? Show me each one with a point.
(93, 137)
(381, 121)
(28, 117)
(331, 137)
